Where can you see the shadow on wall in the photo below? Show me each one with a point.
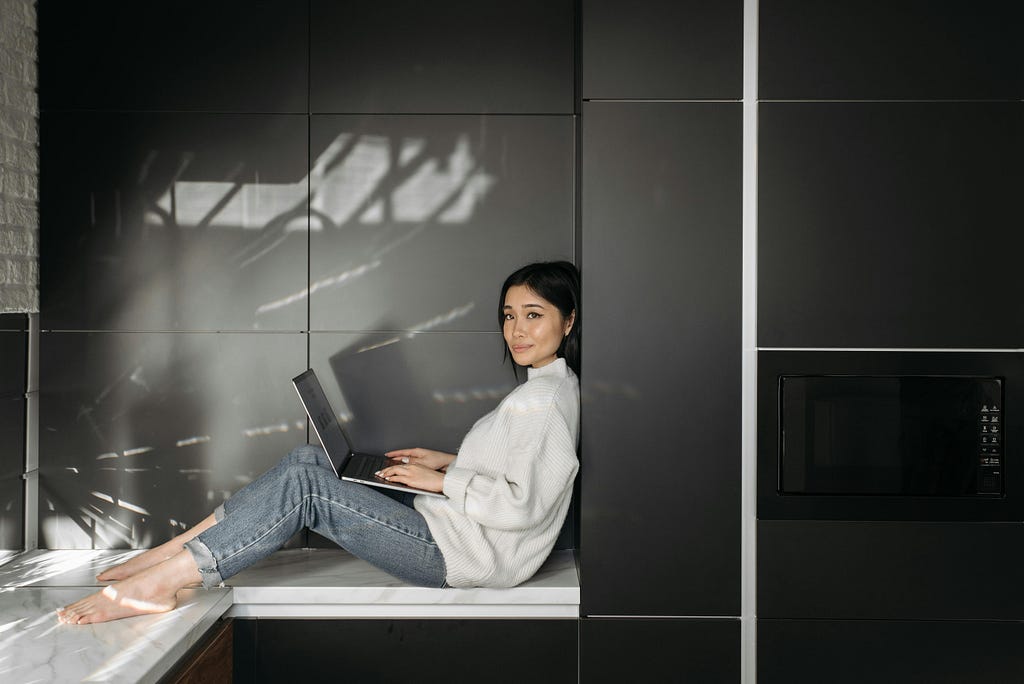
(186, 232)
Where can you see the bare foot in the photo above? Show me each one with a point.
(159, 554)
(114, 602)
(151, 591)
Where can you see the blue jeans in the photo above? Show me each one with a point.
(377, 525)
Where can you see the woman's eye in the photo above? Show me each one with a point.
(508, 317)
(533, 314)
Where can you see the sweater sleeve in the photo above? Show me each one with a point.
(541, 465)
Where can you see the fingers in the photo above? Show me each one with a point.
(395, 471)
(403, 455)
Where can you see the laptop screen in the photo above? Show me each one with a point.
(325, 422)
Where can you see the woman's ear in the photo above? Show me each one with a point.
(569, 322)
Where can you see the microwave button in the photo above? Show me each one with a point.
(995, 419)
(989, 481)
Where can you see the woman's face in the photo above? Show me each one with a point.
(534, 327)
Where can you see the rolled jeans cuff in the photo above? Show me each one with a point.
(205, 562)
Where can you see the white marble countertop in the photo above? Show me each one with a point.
(34, 647)
(294, 583)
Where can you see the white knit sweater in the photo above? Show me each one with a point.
(509, 488)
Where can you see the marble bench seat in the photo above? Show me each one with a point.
(322, 583)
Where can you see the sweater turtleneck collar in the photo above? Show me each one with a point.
(557, 367)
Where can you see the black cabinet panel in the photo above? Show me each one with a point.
(876, 570)
(417, 650)
(13, 321)
(814, 651)
(639, 650)
(229, 55)
(904, 49)
(13, 369)
(12, 438)
(143, 433)
(407, 56)
(661, 365)
(13, 363)
(12, 512)
(662, 49)
(416, 220)
(173, 221)
(890, 225)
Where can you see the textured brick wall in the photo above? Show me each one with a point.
(19, 159)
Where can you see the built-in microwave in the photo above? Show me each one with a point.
(890, 435)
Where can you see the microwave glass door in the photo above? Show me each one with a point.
(909, 436)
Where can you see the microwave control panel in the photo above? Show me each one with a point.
(990, 448)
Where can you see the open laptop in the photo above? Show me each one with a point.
(347, 464)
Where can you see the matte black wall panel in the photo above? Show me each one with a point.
(12, 513)
(13, 380)
(877, 570)
(12, 465)
(243, 650)
(229, 55)
(173, 221)
(416, 220)
(457, 56)
(815, 651)
(890, 225)
(12, 439)
(13, 321)
(903, 50)
(417, 650)
(662, 49)
(661, 363)
(143, 433)
(13, 363)
(662, 650)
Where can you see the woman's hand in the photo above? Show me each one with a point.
(414, 475)
(434, 460)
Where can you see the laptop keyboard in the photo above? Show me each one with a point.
(364, 466)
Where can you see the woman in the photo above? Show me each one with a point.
(507, 491)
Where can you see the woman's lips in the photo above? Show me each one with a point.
(520, 347)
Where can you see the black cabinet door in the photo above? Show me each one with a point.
(662, 49)
(854, 652)
(13, 380)
(190, 55)
(661, 359)
(455, 56)
(411, 651)
(900, 49)
(659, 650)
(890, 225)
(889, 570)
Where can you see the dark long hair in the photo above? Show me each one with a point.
(559, 283)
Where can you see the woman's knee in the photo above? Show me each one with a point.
(307, 454)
